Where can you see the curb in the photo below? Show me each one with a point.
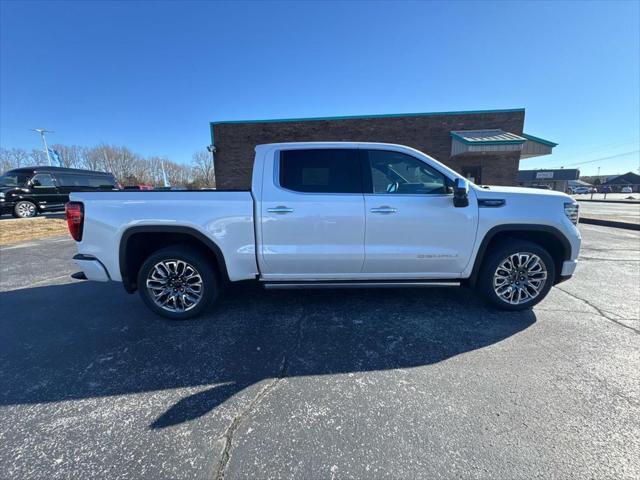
(632, 202)
(610, 223)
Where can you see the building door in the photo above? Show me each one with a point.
(312, 215)
(413, 230)
(473, 174)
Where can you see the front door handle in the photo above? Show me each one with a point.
(280, 209)
(384, 210)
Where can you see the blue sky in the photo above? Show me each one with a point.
(151, 75)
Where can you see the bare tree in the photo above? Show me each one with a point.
(92, 159)
(14, 158)
(6, 160)
(128, 167)
(203, 167)
(71, 156)
(38, 157)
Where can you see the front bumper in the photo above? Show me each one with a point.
(568, 267)
(6, 207)
(92, 268)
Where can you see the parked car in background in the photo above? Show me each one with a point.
(25, 192)
(626, 190)
(138, 187)
(329, 215)
(581, 190)
(605, 189)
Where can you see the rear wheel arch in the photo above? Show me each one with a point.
(138, 243)
(547, 237)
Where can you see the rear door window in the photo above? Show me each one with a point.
(321, 171)
(73, 180)
(101, 182)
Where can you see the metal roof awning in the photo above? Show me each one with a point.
(498, 141)
(536, 147)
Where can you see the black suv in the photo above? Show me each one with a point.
(26, 191)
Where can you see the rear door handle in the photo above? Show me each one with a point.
(280, 209)
(384, 210)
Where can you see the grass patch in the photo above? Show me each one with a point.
(24, 229)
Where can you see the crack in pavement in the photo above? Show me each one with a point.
(601, 312)
(227, 437)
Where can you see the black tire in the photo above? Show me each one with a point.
(496, 256)
(209, 289)
(25, 209)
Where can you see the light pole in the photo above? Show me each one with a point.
(42, 131)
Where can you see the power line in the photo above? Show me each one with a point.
(606, 146)
(601, 159)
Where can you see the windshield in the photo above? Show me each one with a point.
(14, 179)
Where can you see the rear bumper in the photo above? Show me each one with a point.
(92, 268)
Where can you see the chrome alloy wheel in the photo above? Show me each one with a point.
(26, 209)
(519, 278)
(175, 285)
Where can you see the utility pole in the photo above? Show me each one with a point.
(164, 176)
(42, 131)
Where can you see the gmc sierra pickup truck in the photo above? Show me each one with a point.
(329, 215)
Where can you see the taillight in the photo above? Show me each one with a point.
(75, 219)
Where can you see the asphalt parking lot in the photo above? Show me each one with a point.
(320, 384)
(616, 211)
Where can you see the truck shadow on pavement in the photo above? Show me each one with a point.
(84, 340)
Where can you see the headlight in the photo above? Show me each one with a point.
(1, 194)
(571, 210)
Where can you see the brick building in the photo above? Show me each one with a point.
(485, 146)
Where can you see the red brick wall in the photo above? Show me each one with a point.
(235, 142)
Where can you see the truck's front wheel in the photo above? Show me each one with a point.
(516, 275)
(177, 283)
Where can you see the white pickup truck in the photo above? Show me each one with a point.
(329, 215)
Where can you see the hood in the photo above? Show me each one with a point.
(7, 189)
(491, 191)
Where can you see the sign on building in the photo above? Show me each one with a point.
(541, 175)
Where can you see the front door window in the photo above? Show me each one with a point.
(42, 180)
(399, 173)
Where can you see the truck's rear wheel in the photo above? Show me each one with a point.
(177, 283)
(516, 275)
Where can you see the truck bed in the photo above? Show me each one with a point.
(223, 216)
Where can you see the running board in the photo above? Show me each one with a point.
(356, 284)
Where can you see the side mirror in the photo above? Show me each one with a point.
(461, 193)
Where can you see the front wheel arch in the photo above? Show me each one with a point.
(547, 237)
